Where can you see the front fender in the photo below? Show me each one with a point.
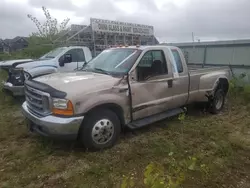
(97, 100)
(39, 71)
(89, 102)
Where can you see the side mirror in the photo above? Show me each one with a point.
(67, 58)
(61, 62)
(132, 75)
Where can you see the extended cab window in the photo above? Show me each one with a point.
(153, 63)
(178, 61)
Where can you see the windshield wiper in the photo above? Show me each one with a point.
(102, 71)
(99, 70)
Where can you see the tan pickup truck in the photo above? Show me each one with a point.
(122, 87)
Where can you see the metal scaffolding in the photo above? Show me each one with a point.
(98, 41)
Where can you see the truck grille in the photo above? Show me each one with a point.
(38, 102)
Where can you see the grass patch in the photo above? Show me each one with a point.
(220, 144)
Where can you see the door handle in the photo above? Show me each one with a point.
(170, 83)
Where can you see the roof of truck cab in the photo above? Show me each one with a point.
(76, 47)
(143, 47)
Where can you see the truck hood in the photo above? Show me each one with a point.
(11, 62)
(75, 83)
(38, 63)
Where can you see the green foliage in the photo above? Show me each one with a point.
(239, 88)
(37, 51)
(182, 117)
(50, 29)
(35, 40)
(128, 181)
(154, 176)
(16, 55)
(30, 52)
(170, 175)
(247, 92)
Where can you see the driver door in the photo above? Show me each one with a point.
(78, 60)
(151, 93)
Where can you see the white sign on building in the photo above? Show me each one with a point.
(108, 26)
(75, 27)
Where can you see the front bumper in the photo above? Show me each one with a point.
(15, 90)
(52, 126)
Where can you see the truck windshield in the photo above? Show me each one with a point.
(114, 61)
(53, 53)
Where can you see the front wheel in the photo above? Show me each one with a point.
(218, 101)
(100, 130)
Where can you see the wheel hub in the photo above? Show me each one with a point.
(102, 131)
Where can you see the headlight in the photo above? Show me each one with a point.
(60, 103)
(62, 107)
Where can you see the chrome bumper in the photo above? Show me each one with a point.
(16, 90)
(52, 126)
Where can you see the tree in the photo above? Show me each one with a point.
(50, 29)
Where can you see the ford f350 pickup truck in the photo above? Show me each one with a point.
(61, 59)
(121, 87)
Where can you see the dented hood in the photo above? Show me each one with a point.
(75, 83)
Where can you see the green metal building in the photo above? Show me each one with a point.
(233, 53)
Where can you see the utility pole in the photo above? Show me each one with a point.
(193, 40)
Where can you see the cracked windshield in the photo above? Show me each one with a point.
(113, 61)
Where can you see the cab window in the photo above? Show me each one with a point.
(178, 61)
(153, 63)
(77, 55)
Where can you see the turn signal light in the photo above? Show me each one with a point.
(69, 111)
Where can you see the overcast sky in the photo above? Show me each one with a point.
(173, 20)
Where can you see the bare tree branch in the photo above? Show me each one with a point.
(50, 29)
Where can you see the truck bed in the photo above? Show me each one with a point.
(196, 69)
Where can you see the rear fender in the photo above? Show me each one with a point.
(221, 81)
(216, 84)
(210, 82)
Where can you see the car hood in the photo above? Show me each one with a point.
(74, 83)
(11, 62)
(37, 63)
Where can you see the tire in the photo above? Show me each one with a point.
(218, 101)
(100, 130)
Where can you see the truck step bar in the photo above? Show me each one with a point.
(154, 118)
